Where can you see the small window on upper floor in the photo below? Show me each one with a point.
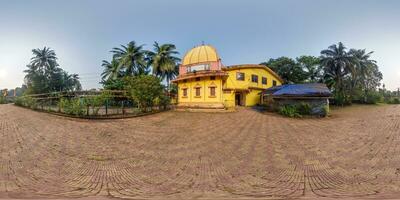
(212, 77)
(198, 79)
(239, 76)
(254, 78)
(273, 83)
(264, 80)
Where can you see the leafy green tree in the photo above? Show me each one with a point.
(164, 61)
(144, 90)
(312, 67)
(131, 59)
(287, 69)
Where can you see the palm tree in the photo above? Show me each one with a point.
(163, 61)
(364, 68)
(337, 64)
(111, 70)
(43, 59)
(131, 58)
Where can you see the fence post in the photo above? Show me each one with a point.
(123, 107)
(106, 107)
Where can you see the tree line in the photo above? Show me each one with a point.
(351, 74)
(45, 75)
(132, 60)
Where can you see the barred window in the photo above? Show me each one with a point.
(239, 76)
(264, 80)
(212, 91)
(184, 92)
(254, 78)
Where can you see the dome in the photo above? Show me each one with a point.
(200, 54)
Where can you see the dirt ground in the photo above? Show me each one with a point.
(355, 153)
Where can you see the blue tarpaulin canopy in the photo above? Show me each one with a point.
(299, 90)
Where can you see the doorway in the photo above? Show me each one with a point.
(239, 99)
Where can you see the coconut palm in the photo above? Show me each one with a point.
(131, 59)
(366, 70)
(163, 61)
(43, 59)
(45, 75)
(111, 70)
(337, 64)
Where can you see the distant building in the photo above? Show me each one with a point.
(204, 82)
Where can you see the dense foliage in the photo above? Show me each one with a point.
(351, 74)
(145, 90)
(132, 60)
(44, 74)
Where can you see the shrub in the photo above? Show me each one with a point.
(325, 111)
(394, 101)
(26, 101)
(289, 111)
(303, 108)
(144, 90)
(72, 106)
(164, 101)
(2, 100)
(97, 101)
(373, 97)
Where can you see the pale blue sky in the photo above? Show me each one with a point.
(250, 31)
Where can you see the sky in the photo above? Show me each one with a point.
(82, 32)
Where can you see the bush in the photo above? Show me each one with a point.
(97, 101)
(164, 101)
(394, 101)
(325, 111)
(289, 111)
(2, 100)
(373, 97)
(74, 106)
(303, 108)
(144, 90)
(26, 101)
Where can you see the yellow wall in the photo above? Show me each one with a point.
(252, 97)
(230, 85)
(205, 97)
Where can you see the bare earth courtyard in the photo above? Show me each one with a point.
(355, 153)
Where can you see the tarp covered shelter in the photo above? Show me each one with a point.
(299, 90)
(316, 95)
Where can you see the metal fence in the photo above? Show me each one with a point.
(89, 104)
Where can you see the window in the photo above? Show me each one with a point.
(254, 78)
(198, 79)
(197, 68)
(212, 91)
(273, 83)
(264, 80)
(197, 92)
(239, 76)
(212, 78)
(184, 92)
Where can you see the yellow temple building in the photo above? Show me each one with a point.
(204, 82)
